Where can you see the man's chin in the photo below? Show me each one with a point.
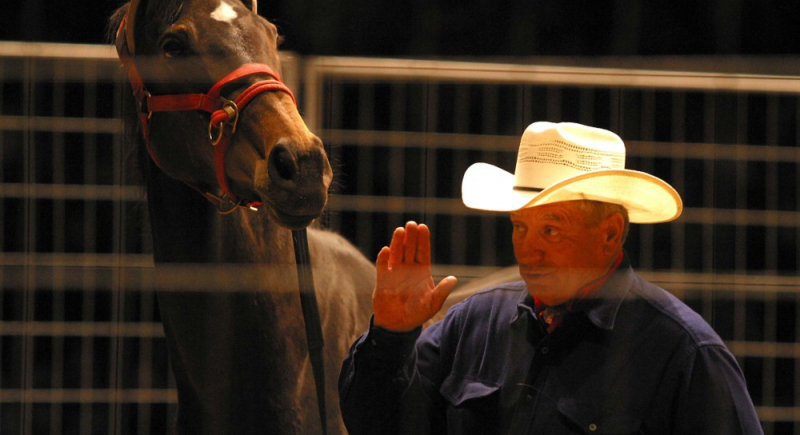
(546, 294)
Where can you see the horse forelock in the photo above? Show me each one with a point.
(158, 15)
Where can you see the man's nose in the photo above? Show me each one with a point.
(528, 252)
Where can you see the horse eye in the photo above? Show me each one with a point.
(174, 48)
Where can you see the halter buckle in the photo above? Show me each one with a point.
(225, 205)
(232, 113)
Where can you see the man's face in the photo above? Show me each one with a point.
(557, 251)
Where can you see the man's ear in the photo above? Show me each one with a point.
(613, 228)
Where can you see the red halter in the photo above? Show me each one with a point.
(224, 113)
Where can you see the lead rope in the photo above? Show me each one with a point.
(308, 301)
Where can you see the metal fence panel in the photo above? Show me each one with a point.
(81, 346)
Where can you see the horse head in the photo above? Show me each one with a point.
(190, 63)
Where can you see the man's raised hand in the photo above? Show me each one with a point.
(405, 296)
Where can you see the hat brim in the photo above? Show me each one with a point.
(648, 199)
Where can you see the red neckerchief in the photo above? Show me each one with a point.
(552, 316)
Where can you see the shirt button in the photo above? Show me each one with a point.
(528, 398)
(373, 342)
(545, 351)
(593, 427)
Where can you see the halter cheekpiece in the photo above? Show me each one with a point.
(224, 112)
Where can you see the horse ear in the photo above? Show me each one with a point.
(252, 4)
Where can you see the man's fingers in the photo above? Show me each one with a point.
(424, 245)
(382, 263)
(441, 291)
(396, 247)
(410, 242)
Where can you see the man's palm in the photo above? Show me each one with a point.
(405, 296)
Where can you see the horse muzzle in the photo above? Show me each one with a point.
(293, 182)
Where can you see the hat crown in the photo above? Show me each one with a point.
(551, 152)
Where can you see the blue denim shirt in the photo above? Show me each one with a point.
(634, 359)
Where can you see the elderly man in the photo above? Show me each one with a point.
(581, 345)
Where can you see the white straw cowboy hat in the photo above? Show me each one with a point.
(567, 161)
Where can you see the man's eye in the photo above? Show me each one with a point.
(550, 231)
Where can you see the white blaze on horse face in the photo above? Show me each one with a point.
(224, 13)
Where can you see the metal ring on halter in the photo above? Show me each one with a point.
(145, 97)
(223, 203)
(215, 139)
(232, 110)
(222, 209)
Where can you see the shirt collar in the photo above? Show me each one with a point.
(601, 308)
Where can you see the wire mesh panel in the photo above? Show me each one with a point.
(81, 344)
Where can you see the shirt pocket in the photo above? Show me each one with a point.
(457, 390)
(471, 405)
(594, 419)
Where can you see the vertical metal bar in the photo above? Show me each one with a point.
(315, 110)
(554, 103)
(119, 246)
(678, 145)
(488, 240)
(771, 248)
(328, 120)
(709, 135)
(59, 236)
(770, 327)
(740, 189)
(432, 97)
(615, 110)
(797, 188)
(366, 178)
(145, 372)
(740, 299)
(430, 162)
(740, 230)
(59, 169)
(87, 353)
(796, 299)
(586, 105)
(397, 164)
(647, 133)
(89, 276)
(771, 184)
(3, 290)
(29, 289)
(462, 106)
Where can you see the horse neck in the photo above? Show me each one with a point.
(223, 343)
(188, 229)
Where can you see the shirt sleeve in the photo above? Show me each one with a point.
(381, 390)
(714, 397)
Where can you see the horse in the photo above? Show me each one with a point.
(228, 174)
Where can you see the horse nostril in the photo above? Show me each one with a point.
(282, 164)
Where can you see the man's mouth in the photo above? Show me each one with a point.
(533, 273)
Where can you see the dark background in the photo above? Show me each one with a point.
(416, 28)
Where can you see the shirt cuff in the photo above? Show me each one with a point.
(384, 345)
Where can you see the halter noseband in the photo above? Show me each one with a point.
(224, 112)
